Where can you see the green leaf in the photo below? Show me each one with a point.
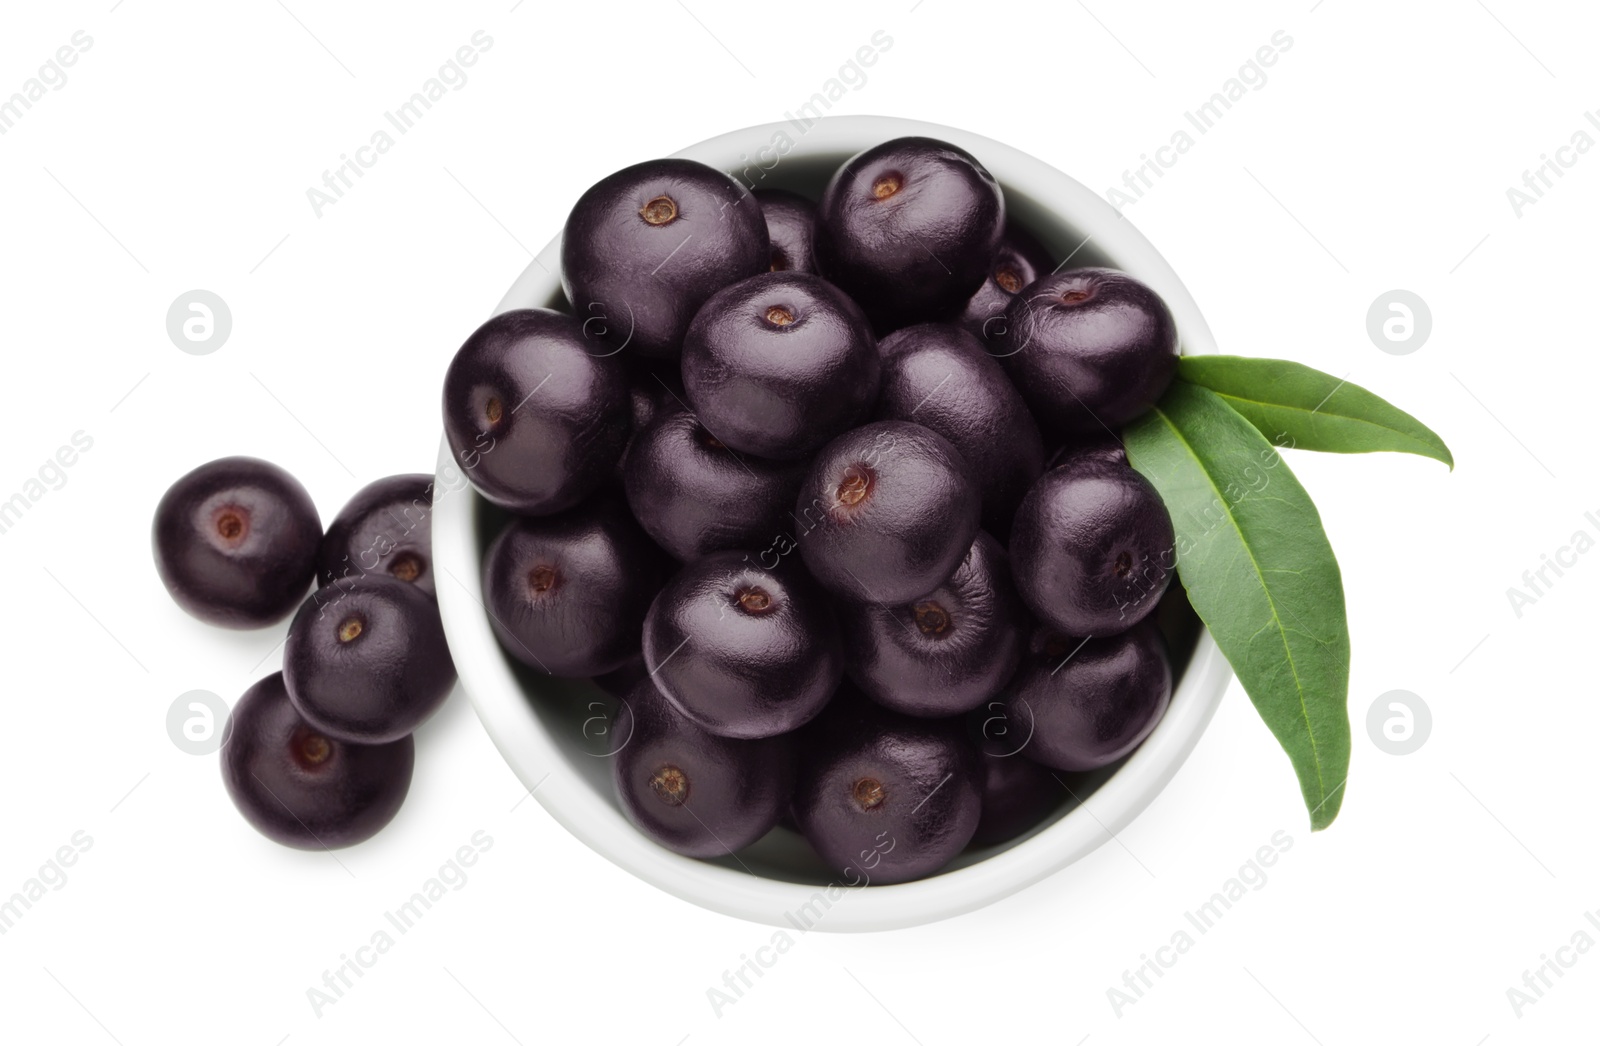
(1251, 551)
(1298, 406)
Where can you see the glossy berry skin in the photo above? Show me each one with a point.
(368, 663)
(235, 542)
(779, 364)
(1089, 349)
(1103, 447)
(386, 529)
(1020, 260)
(567, 594)
(938, 375)
(645, 247)
(535, 413)
(301, 788)
(1017, 792)
(695, 495)
(1090, 702)
(949, 651)
(791, 229)
(885, 798)
(693, 792)
(1092, 548)
(886, 513)
(740, 650)
(909, 229)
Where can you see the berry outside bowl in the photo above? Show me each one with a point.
(555, 733)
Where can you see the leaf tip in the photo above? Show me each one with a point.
(1440, 451)
(1325, 812)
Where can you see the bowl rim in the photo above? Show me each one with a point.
(535, 757)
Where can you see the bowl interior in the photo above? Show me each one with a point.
(559, 729)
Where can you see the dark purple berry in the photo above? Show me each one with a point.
(694, 792)
(886, 513)
(1089, 349)
(1019, 261)
(235, 542)
(302, 788)
(909, 229)
(947, 652)
(791, 229)
(644, 248)
(1092, 549)
(885, 798)
(368, 662)
(1083, 704)
(694, 494)
(1017, 792)
(740, 650)
(779, 364)
(567, 594)
(535, 414)
(387, 528)
(937, 375)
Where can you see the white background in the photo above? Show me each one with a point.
(1376, 156)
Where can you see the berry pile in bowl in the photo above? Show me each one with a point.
(795, 505)
(808, 549)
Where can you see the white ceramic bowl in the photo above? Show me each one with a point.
(553, 732)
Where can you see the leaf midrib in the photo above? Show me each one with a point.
(1277, 620)
(1319, 410)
